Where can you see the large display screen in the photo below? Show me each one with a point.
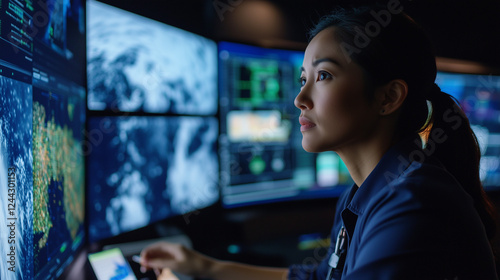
(136, 64)
(262, 159)
(153, 104)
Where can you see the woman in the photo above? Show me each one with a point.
(413, 213)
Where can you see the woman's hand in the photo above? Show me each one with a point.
(176, 257)
(163, 255)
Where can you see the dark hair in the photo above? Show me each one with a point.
(389, 45)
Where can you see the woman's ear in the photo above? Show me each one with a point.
(390, 97)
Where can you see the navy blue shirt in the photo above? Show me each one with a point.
(410, 219)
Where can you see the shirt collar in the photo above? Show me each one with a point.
(394, 162)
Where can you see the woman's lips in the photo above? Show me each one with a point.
(305, 124)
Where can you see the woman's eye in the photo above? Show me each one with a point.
(302, 81)
(322, 75)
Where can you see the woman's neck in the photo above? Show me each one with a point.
(362, 156)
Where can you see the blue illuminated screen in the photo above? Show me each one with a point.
(152, 96)
(144, 169)
(42, 118)
(136, 64)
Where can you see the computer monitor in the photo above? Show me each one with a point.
(42, 116)
(152, 121)
(148, 168)
(479, 97)
(136, 64)
(262, 159)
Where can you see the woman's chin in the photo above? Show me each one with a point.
(310, 147)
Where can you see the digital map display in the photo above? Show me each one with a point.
(58, 179)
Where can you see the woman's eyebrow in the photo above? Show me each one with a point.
(320, 60)
(326, 59)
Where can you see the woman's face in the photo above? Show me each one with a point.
(334, 109)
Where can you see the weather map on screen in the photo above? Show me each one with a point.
(136, 64)
(148, 168)
(16, 224)
(58, 179)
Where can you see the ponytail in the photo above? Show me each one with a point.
(459, 152)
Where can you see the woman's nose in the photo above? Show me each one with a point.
(302, 100)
